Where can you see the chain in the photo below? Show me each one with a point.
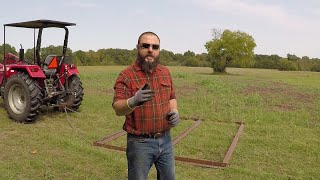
(72, 127)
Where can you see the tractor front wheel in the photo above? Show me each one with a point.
(22, 98)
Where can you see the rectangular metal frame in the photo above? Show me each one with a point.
(197, 162)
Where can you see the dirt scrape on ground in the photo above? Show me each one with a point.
(281, 96)
(185, 90)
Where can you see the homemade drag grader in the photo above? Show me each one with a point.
(52, 81)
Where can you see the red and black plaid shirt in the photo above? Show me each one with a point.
(151, 117)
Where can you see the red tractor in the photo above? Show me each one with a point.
(52, 81)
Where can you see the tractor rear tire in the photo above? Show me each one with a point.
(74, 100)
(22, 98)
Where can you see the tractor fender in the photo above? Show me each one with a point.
(72, 72)
(70, 69)
(34, 71)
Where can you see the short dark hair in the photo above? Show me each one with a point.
(148, 32)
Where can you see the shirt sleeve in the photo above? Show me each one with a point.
(122, 88)
(172, 94)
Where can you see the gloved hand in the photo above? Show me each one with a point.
(141, 96)
(173, 117)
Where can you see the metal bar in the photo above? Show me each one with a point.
(186, 132)
(112, 137)
(200, 162)
(4, 42)
(109, 146)
(197, 162)
(4, 55)
(34, 46)
(192, 118)
(38, 48)
(228, 155)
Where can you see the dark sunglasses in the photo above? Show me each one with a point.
(146, 46)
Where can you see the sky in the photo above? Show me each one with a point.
(278, 26)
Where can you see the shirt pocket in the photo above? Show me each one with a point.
(165, 89)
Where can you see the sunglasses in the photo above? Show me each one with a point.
(146, 46)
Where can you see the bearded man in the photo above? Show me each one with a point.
(145, 95)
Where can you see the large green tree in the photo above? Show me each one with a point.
(234, 47)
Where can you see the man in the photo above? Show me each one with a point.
(144, 93)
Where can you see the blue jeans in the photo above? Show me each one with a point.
(142, 153)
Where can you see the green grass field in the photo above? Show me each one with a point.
(281, 111)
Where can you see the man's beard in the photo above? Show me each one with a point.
(147, 66)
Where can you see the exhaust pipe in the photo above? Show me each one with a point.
(21, 53)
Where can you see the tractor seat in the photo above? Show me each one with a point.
(50, 65)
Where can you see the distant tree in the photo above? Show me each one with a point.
(190, 59)
(203, 59)
(9, 49)
(121, 56)
(79, 58)
(230, 47)
(92, 58)
(266, 61)
(53, 50)
(305, 58)
(292, 57)
(167, 58)
(133, 54)
(179, 58)
(189, 54)
(104, 57)
(316, 66)
(45, 51)
(286, 65)
(304, 64)
(29, 55)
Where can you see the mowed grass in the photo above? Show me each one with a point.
(280, 140)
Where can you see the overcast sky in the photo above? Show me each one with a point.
(278, 26)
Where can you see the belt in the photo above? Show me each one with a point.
(152, 135)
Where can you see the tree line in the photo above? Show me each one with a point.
(112, 56)
(235, 49)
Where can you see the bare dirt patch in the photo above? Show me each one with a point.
(281, 96)
(186, 90)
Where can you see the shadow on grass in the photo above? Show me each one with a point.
(48, 112)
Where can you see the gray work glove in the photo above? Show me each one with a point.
(140, 97)
(173, 117)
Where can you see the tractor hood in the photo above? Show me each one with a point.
(40, 23)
